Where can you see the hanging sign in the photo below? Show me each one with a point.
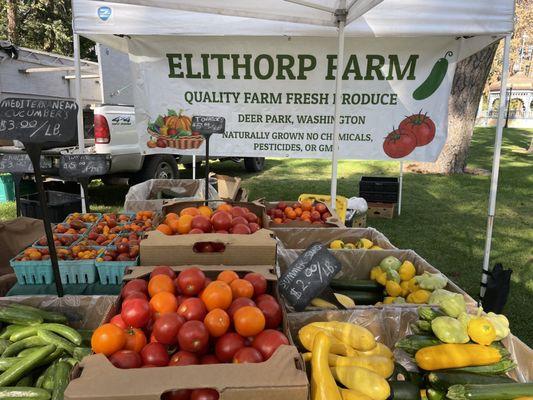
(206, 125)
(77, 166)
(277, 95)
(20, 163)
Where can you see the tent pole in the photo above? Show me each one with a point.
(400, 189)
(495, 164)
(77, 93)
(338, 91)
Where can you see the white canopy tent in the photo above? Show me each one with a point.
(477, 22)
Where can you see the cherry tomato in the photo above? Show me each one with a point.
(183, 357)
(258, 281)
(268, 341)
(227, 345)
(193, 336)
(126, 359)
(192, 309)
(155, 354)
(166, 328)
(136, 313)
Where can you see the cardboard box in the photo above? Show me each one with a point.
(302, 238)
(254, 249)
(278, 378)
(356, 264)
(390, 324)
(381, 210)
(229, 187)
(332, 222)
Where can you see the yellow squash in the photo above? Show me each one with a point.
(363, 380)
(381, 365)
(348, 394)
(323, 386)
(353, 335)
(379, 350)
(481, 331)
(445, 356)
(307, 336)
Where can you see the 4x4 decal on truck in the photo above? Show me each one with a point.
(121, 120)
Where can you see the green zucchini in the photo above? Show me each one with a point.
(434, 79)
(363, 285)
(404, 390)
(61, 378)
(6, 362)
(25, 365)
(412, 343)
(48, 316)
(498, 391)
(424, 326)
(31, 393)
(362, 298)
(443, 380)
(20, 317)
(501, 367)
(50, 337)
(435, 394)
(429, 314)
(17, 347)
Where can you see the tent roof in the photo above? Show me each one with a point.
(366, 18)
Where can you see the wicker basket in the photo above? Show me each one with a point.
(182, 143)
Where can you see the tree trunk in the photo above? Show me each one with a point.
(12, 32)
(468, 83)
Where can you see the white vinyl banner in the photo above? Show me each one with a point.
(277, 95)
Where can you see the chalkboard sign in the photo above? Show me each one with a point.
(20, 163)
(46, 122)
(83, 165)
(207, 125)
(308, 276)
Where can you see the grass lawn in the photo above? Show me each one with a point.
(443, 217)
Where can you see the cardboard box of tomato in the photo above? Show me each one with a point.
(220, 233)
(305, 214)
(222, 335)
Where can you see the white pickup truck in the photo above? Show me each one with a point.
(115, 134)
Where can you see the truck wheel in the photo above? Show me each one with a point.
(254, 164)
(158, 167)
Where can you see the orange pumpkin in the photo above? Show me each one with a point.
(179, 122)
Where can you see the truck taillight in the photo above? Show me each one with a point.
(101, 129)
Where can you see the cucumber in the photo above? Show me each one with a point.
(52, 357)
(501, 367)
(28, 351)
(443, 380)
(498, 391)
(363, 285)
(6, 362)
(61, 378)
(412, 343)
(25, 381)
(23, 333)
(48, 377)
(362, 298)
(17, 347)
(404, 390)
(435, 394)
(25, 365)
(66, 331)
(434, 79)
(8, 393)
(50, 337)
(4, 343)
(9, 330)
(48, 316)
(20, 317)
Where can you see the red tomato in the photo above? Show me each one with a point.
(258, 281)
(421, 126)
(184, 358)
(272, 312)
(204, 394)
(162, 270)
(201, 222)
(126, 359)
(227, 345)
(238, 212)
(136, 313)
(325, 216)
(155, 354)
(282, 205)
(265, 297)
(253, 227)
(209, 359)
(221, 221)
(134, 295)
(166, 328)
(268, 341)
(193, 336)
(238, 303)
(196, 231)
(241, 229)
(135, 285)
(182, 394)
(247, 355)
(239, 220)
(321, 208)
(191, 281)
(192, 309)
(117, 320)
(135, 339)
(251, 217)
(399, 143)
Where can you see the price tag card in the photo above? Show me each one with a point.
(46, 122)
(308, 276)
(208, 125)
(76, 166)
(20, 163)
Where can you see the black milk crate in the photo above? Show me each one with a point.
(59, 204)
(379, 189)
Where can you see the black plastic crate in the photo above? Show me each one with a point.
(59, 204)
(379, 189)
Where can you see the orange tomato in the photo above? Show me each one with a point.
(205, 211)
(248, 321)
(164, 228)
(298, 211)
(184, 224)
(135, 340)
(189, 211)
(108, 339)
(163, 302)
(174, 224)
(224, 207)
(307, 205)
(242, 288)
(217, 322)
(227, 276)
(288, 210)
(161, 283)
(170, 217)
(278, 221)
(291, 214)
(217, 295)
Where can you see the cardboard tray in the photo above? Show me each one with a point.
(392, 323)
(332, 222)
(302, 238)
(282, 377)
(356, 264)
(255, 249)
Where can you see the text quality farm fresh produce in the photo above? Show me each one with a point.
(187, 319)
